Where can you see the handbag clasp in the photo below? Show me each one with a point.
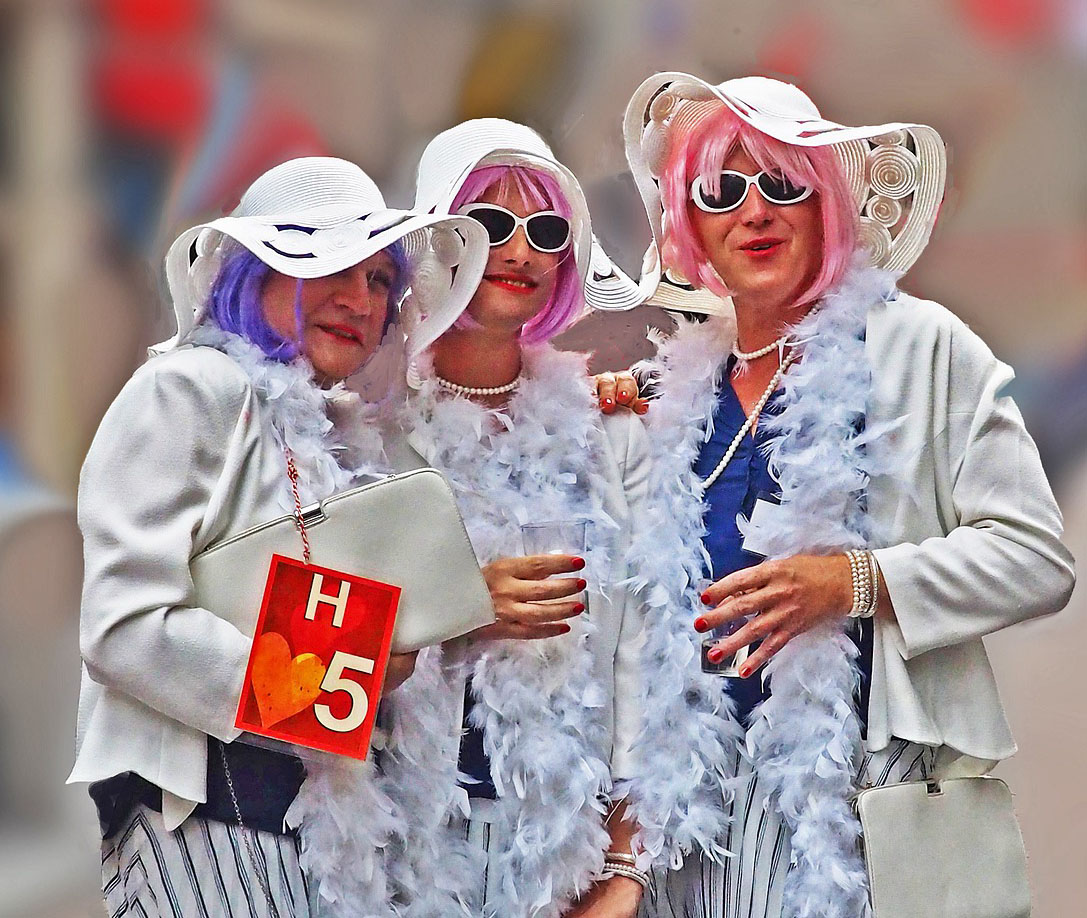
(312, 515)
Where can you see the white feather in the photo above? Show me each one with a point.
(805, 738)
(535, 701)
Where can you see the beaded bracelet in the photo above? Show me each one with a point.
(617, 869)
(865, 575)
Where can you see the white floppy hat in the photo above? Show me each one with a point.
(316, 216)
(455, 153)
(896, 171)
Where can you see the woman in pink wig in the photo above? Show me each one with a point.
(547, 716)
(841, 493)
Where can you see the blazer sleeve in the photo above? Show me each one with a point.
(1001, 560)
(156, 467)
(633, 451)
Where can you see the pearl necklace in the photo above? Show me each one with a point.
(751, 419)
(762, 351)
(458, 389)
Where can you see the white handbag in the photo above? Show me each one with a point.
(947, 848)
(404, 530)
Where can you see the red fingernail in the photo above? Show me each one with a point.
(700, 624)
(581, 584)
(608, 402)
(565, 629)
(705, 597)
(716, 655)
(578, 563)
(745, 671)
(579, 608)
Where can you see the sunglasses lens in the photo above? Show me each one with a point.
(548, 232)
(780, 190)
(498, 224)
(729, 194)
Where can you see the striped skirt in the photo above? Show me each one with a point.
(751, 884)
(482, 835)
(203, 869)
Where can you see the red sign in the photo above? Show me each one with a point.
(318, 660)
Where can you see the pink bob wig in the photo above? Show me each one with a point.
(702, 151)
(538, 189)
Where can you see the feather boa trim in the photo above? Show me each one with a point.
(350, 814)
(805, 739)
(536, 702)
(677, 800)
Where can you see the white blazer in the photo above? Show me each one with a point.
(974, 533)
(184, 457)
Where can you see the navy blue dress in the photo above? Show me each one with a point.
(747, 478)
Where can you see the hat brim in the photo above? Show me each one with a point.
(190, 279)
(883, 164)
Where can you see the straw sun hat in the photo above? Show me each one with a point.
(896, 171)
(316, 216)
(454, 154)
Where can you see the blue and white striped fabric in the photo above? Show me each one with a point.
(751, 884)
(201, 870)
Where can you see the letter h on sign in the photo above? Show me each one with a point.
(339, 603)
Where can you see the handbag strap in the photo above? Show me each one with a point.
(299, 519)
(260, 869)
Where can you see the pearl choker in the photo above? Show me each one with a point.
(762, 351)
(458, 389)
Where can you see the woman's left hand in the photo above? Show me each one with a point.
(611, 897)
(619, 390)
(786, 598)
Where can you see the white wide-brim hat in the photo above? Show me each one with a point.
(896, 171)
(316, 216)
(455, 153)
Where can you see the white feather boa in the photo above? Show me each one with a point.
(677, 799)
(350, 814)
(804, 740)
(536, 701)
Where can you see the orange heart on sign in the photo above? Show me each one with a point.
(283, 686)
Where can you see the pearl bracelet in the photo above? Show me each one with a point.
(617, 869)
(865, 575)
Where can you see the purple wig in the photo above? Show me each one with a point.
(539, 189)
(235, 301)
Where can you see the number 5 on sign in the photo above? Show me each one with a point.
(318, 662)
(334, 682)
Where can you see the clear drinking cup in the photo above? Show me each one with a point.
(558, 537)
(730, 665)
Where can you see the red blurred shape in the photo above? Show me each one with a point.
(162, 98)
(154, 17)
(1009, 21)
(794, 47)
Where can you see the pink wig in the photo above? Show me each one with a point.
(541, 190)
(702, 151)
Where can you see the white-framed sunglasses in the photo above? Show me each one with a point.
(546, 230)
(733, 188)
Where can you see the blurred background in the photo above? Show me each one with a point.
(124, 121)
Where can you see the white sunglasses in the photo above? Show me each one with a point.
(546, 230)
(733, 188)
